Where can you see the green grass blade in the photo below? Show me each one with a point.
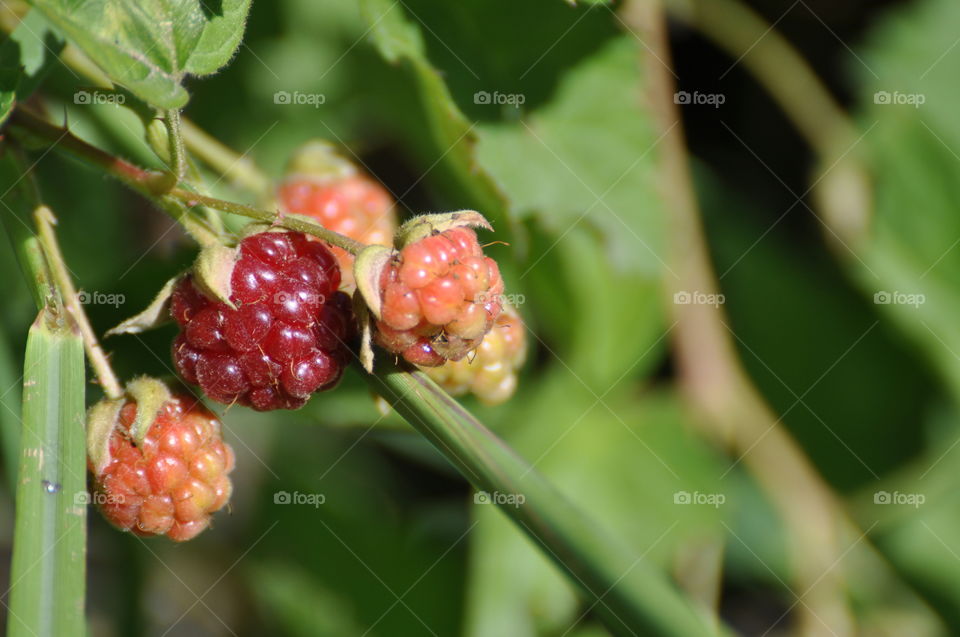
(49, 546)
(632, 597)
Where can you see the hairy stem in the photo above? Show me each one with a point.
(157, 186)
(299, 224)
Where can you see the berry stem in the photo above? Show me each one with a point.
(175, 201)
(290, 222)
(45, 220)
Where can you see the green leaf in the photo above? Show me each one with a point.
(399, 40)
(222, 34)
(910, 264)
(49, 544)
(587, 158)
(25, 57)
(149, 46)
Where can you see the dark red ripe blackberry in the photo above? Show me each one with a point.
(285, 340)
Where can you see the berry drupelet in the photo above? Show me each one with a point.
(286, 337)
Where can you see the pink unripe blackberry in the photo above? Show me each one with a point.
(170, 482)
(439, 296)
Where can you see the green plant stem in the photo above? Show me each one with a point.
(292, 222)
(633, 597)
(45, 221)
(157, 186)
(711, 374)
(150, 183)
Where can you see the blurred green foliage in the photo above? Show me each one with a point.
(399, 546)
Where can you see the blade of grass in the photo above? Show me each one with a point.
(631, 596)
(48, 572)
(49, 542)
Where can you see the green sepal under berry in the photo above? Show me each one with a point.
(102, 418)
(367, 270)
(213, 271)
(365, 323)
(155, 314)
(425, 225)
(149, 394)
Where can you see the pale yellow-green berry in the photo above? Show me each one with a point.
(490, 371)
